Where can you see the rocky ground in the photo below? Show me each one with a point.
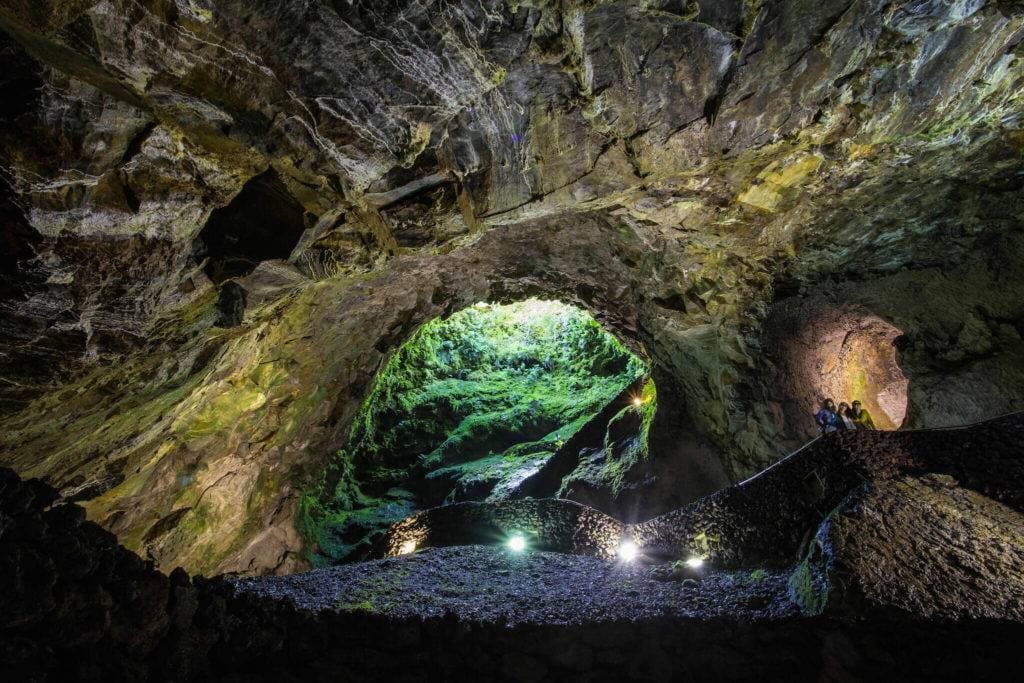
(916, 575)
(494, 584)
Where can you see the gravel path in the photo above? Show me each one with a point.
(489, 583)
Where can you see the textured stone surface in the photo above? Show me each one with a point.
(550, 524)
(951, 539)
(489, 583)
(688, 171)
(770, 517)
(958, 340)
(909, 576)
(965, 547)
(884, 514)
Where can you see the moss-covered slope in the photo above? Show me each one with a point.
(465, 410)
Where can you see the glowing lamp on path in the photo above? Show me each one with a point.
(694, 563)
(637, 401)
(628, 551)
(516, 543)
(407, 548)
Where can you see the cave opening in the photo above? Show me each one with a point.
(857, 360)
(263, 222)
(474, 407)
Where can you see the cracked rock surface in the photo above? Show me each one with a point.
(218, 218)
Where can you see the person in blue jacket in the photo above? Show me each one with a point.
(827, 418)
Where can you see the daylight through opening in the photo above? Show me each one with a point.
(469, 408)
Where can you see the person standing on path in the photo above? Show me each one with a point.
(861, 418)
(826, 418)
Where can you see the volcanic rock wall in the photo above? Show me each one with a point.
(930, 598)
(681, 169)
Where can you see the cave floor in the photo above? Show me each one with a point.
(490, 584)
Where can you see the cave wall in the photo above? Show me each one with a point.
(263, 222)
(803, 154)
(522, 111)
(250, 413)
(959, 339)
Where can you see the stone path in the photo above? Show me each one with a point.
(490, 583)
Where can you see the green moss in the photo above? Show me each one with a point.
(805, 591)
(376, 594)
(809, 585)
(195, 521)
(627, 438)
(363, 606)
(471, 401)
(338, 531)
(486, 379)
(498, 76)
(705, 544)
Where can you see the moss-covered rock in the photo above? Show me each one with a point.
(679, 168)
(605, 475)
(466, 409)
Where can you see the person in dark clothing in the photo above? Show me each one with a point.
(826, 418)
(861, 418)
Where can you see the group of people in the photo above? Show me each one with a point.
(832, 419)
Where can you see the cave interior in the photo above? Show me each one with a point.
(447, 339)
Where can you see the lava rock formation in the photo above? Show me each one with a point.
(221, 221)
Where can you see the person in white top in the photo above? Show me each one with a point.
(844, 416)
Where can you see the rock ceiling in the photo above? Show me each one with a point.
(708, 177)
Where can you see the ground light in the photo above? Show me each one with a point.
(516, 543)
(407, 547)
(500, 376)
(628, 551)
(694, 563)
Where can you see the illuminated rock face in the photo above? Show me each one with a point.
(705, 178)
(860, 364)
(845, 356)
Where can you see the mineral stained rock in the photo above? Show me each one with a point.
(219, 219)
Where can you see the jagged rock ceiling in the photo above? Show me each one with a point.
(709, 178)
